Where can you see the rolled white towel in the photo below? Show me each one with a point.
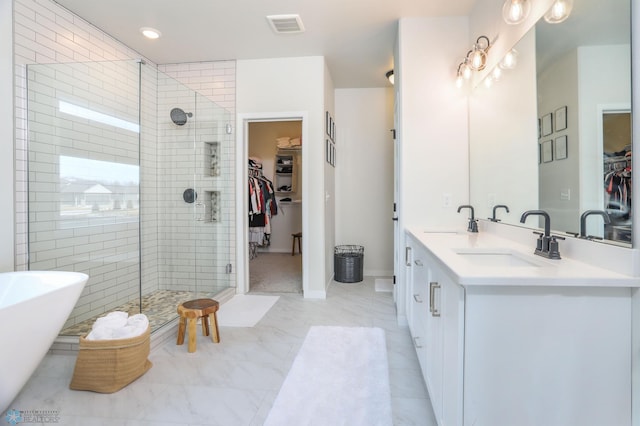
(100, 334)
(118, 325)
(138, 320)
(112, 320)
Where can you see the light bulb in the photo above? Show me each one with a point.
(488, 82)
(515, 11)
(466, 71)
(559, 11)
(459, 81)
(478, 59)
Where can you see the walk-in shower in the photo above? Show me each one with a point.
(109, 157)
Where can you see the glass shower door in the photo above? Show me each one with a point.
(195, 191)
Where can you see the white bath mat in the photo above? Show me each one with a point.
(384, 284)
(339, 377)
(244, 310)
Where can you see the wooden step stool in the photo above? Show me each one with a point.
(296, 236)
(190, 312)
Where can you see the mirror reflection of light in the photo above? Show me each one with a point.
(99, 117)
(496, 74)
(559, 11)
(510, 60)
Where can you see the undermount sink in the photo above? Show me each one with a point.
(495, 258)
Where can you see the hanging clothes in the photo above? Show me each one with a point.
(262, 205)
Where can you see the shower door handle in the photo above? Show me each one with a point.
(200, 214)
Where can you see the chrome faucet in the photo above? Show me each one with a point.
(473, 223)
(494, 219)
(583, 221)
(547, 244)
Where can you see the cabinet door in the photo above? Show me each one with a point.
(433, 371)
(419, 304)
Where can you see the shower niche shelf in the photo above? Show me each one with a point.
(209, 207)
(212, 158)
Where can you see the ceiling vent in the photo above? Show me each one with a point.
(286, 24)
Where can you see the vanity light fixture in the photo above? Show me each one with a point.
(151, 33)
(477, 56)
(390, 76)
(559, 11)
(515, 11)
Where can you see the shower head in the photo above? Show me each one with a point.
(179, 117)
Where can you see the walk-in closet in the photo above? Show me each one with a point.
(275, 206)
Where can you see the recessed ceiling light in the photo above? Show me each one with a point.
(151, 33)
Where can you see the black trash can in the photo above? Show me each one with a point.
(348, 263)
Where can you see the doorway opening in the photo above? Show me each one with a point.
(271, 259)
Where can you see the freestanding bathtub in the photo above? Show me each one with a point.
(34, 306)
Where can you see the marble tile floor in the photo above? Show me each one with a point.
(235, 382)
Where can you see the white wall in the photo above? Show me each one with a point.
(6, 136)
(295, 85)
(329, 182)
(432, 131)
(434, 136)
(364, 175)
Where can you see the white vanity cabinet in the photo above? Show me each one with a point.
(513, 353)
(433, 309)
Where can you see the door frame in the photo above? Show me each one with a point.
(242, 188)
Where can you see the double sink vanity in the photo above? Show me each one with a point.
(505, 337)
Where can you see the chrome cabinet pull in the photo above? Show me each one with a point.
(407, 253)
(416, 297)
(435, 312)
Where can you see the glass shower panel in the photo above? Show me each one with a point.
(84, 186)
(214, 179)
(195, 183)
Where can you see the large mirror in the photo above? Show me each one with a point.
(554, 133)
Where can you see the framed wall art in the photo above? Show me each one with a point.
(561, 118)
(547, 151)
(547, 125)
(561, 148)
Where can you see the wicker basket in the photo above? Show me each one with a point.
(107, 366)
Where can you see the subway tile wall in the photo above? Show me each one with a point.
(45, 33)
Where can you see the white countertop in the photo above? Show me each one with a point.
(461, 255)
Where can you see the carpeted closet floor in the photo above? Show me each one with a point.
(275, 273)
